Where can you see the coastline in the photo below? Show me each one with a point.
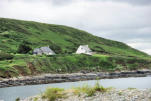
(58, 78)
(130, 94)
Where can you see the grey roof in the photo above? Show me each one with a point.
(37, 51)
(43, 50)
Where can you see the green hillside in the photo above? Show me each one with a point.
(14, 32)
(63, 40)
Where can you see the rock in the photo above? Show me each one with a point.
(112, 95)
(57, 78)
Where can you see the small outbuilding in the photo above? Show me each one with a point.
(84, 49)
(43, 50)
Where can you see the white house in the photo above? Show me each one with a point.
(43, 50)
(84, 49)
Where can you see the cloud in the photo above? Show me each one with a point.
(141, 45)
(136, 2)
(123, 20)
(131, 2)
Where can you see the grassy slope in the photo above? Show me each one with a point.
(14, 32)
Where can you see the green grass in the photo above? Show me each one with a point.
(5, 56)
(51, 94)
(30, 65)
(17, 99)
(88, 90)
(110, 55)
(98, 87)
(14, 32)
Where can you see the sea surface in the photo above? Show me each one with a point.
(11, 93)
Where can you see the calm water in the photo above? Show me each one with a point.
(11, 93)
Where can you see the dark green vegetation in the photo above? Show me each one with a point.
(18, 39)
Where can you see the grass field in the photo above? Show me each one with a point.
(110, 55)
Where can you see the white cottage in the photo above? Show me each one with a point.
(43, 50)
(84, 49)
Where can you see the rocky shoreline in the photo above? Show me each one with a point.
(130, 94)
(57, 78)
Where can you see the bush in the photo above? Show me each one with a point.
(119, 67)
(56, 48)
(5, 56)
(24, 48)
(100, 88)
(53, 93)
(18, 99)
(88, 90)
(97, 87)
(133, 66)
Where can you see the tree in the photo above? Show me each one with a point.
(24, 48)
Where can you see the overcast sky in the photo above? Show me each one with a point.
(127, 21)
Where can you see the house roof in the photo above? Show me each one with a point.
(85, 47)
(45, 50)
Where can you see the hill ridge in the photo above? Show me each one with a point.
(65, 37)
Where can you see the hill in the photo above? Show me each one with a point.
(15, 32)
(63, 40)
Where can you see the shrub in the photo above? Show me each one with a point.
(35, 98)
(5, 56)
(18, 99)
(119, 67)
(89, 91)
(24, 48)
(133, 66)
(53, 93)
(100, 88)
(56, 48)
(120, 93)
